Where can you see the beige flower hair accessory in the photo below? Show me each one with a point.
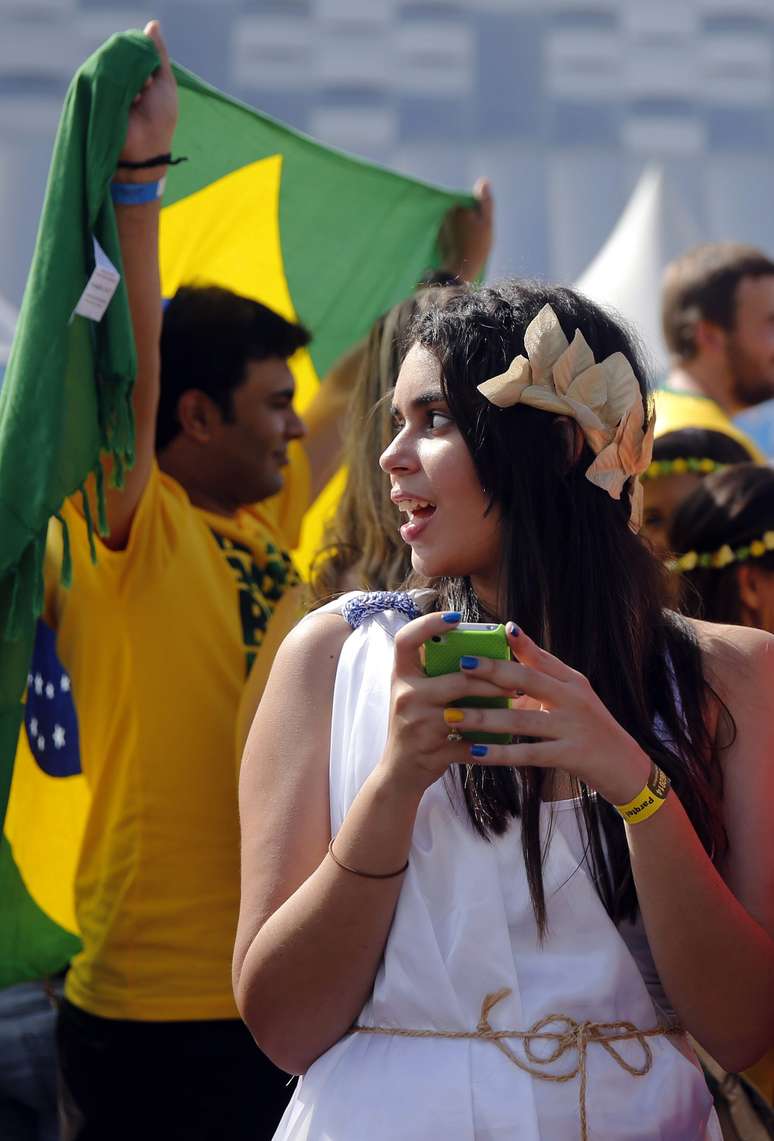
(603, 398)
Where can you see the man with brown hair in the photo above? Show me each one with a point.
(718, 320)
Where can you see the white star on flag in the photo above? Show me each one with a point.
(64, 683)
(38, 683)
(34, 726)
(42, 744)
(59, 737)
(49, 690)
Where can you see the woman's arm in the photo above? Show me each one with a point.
(712, 931)
(311, 935)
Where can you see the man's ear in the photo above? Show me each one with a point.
(199, 416)
(709, 337)
(748, 581)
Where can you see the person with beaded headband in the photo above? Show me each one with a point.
(681, 459)
(723, 539)
(453, 936)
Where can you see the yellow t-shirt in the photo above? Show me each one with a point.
(157, 640)
(678, 410)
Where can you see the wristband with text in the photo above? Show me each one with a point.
(136, 193)
(649, 800)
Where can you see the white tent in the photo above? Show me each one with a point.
(8, 316)
(626, 273)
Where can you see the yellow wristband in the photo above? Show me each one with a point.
(649, 800)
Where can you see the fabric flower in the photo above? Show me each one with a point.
(602, 397)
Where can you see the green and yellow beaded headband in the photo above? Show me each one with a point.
(680, 466)
(724, 556)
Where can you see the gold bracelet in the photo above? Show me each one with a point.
(649, 800)
(366, 875)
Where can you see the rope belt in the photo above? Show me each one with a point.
(573, 1036)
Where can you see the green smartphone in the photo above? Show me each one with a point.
(470, 639)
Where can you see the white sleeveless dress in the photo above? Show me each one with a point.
(464, 928)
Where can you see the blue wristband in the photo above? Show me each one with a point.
(136, 193)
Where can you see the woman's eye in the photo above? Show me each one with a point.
(438, 419)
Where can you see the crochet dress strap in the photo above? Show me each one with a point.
(362, 606)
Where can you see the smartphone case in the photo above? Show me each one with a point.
(478, 640)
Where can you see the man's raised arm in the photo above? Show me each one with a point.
(152, 120)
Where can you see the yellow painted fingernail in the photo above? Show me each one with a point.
(453, 716)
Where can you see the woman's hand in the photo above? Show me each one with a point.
(576, 732)
(153, 114)
(556, 704)
(418, 750)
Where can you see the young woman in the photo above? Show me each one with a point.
(488, 947)
(681, 460)
(723, 539)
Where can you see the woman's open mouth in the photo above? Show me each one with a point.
(420, 512)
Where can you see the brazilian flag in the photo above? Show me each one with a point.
(258, 208)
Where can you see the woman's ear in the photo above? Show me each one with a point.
(749, 585)
(572, 436)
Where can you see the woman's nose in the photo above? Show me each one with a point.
(396, 455)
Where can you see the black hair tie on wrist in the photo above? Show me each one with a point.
(157, 160)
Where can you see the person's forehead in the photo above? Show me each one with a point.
(272, 374)
(754, 294)
(668, 491)
(419, 374)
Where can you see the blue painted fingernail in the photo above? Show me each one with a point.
(478, 750)
(513, 629)
(467, 663)
(452, 616)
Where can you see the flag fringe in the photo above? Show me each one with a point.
(66, 572)
(117, 429)
(87, 515)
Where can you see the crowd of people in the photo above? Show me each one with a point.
(547, 913)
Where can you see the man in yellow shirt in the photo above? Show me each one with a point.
(718, 319)
(155, 641)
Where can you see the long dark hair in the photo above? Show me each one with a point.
(731, 508)
(576, 577)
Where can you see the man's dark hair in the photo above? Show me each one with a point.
(702, 285)
(208, 336)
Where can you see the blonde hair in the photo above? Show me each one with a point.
(362, 547)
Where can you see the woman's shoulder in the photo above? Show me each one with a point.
(739, 666)
(318, 635)
(727, 649)
(311, 653)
